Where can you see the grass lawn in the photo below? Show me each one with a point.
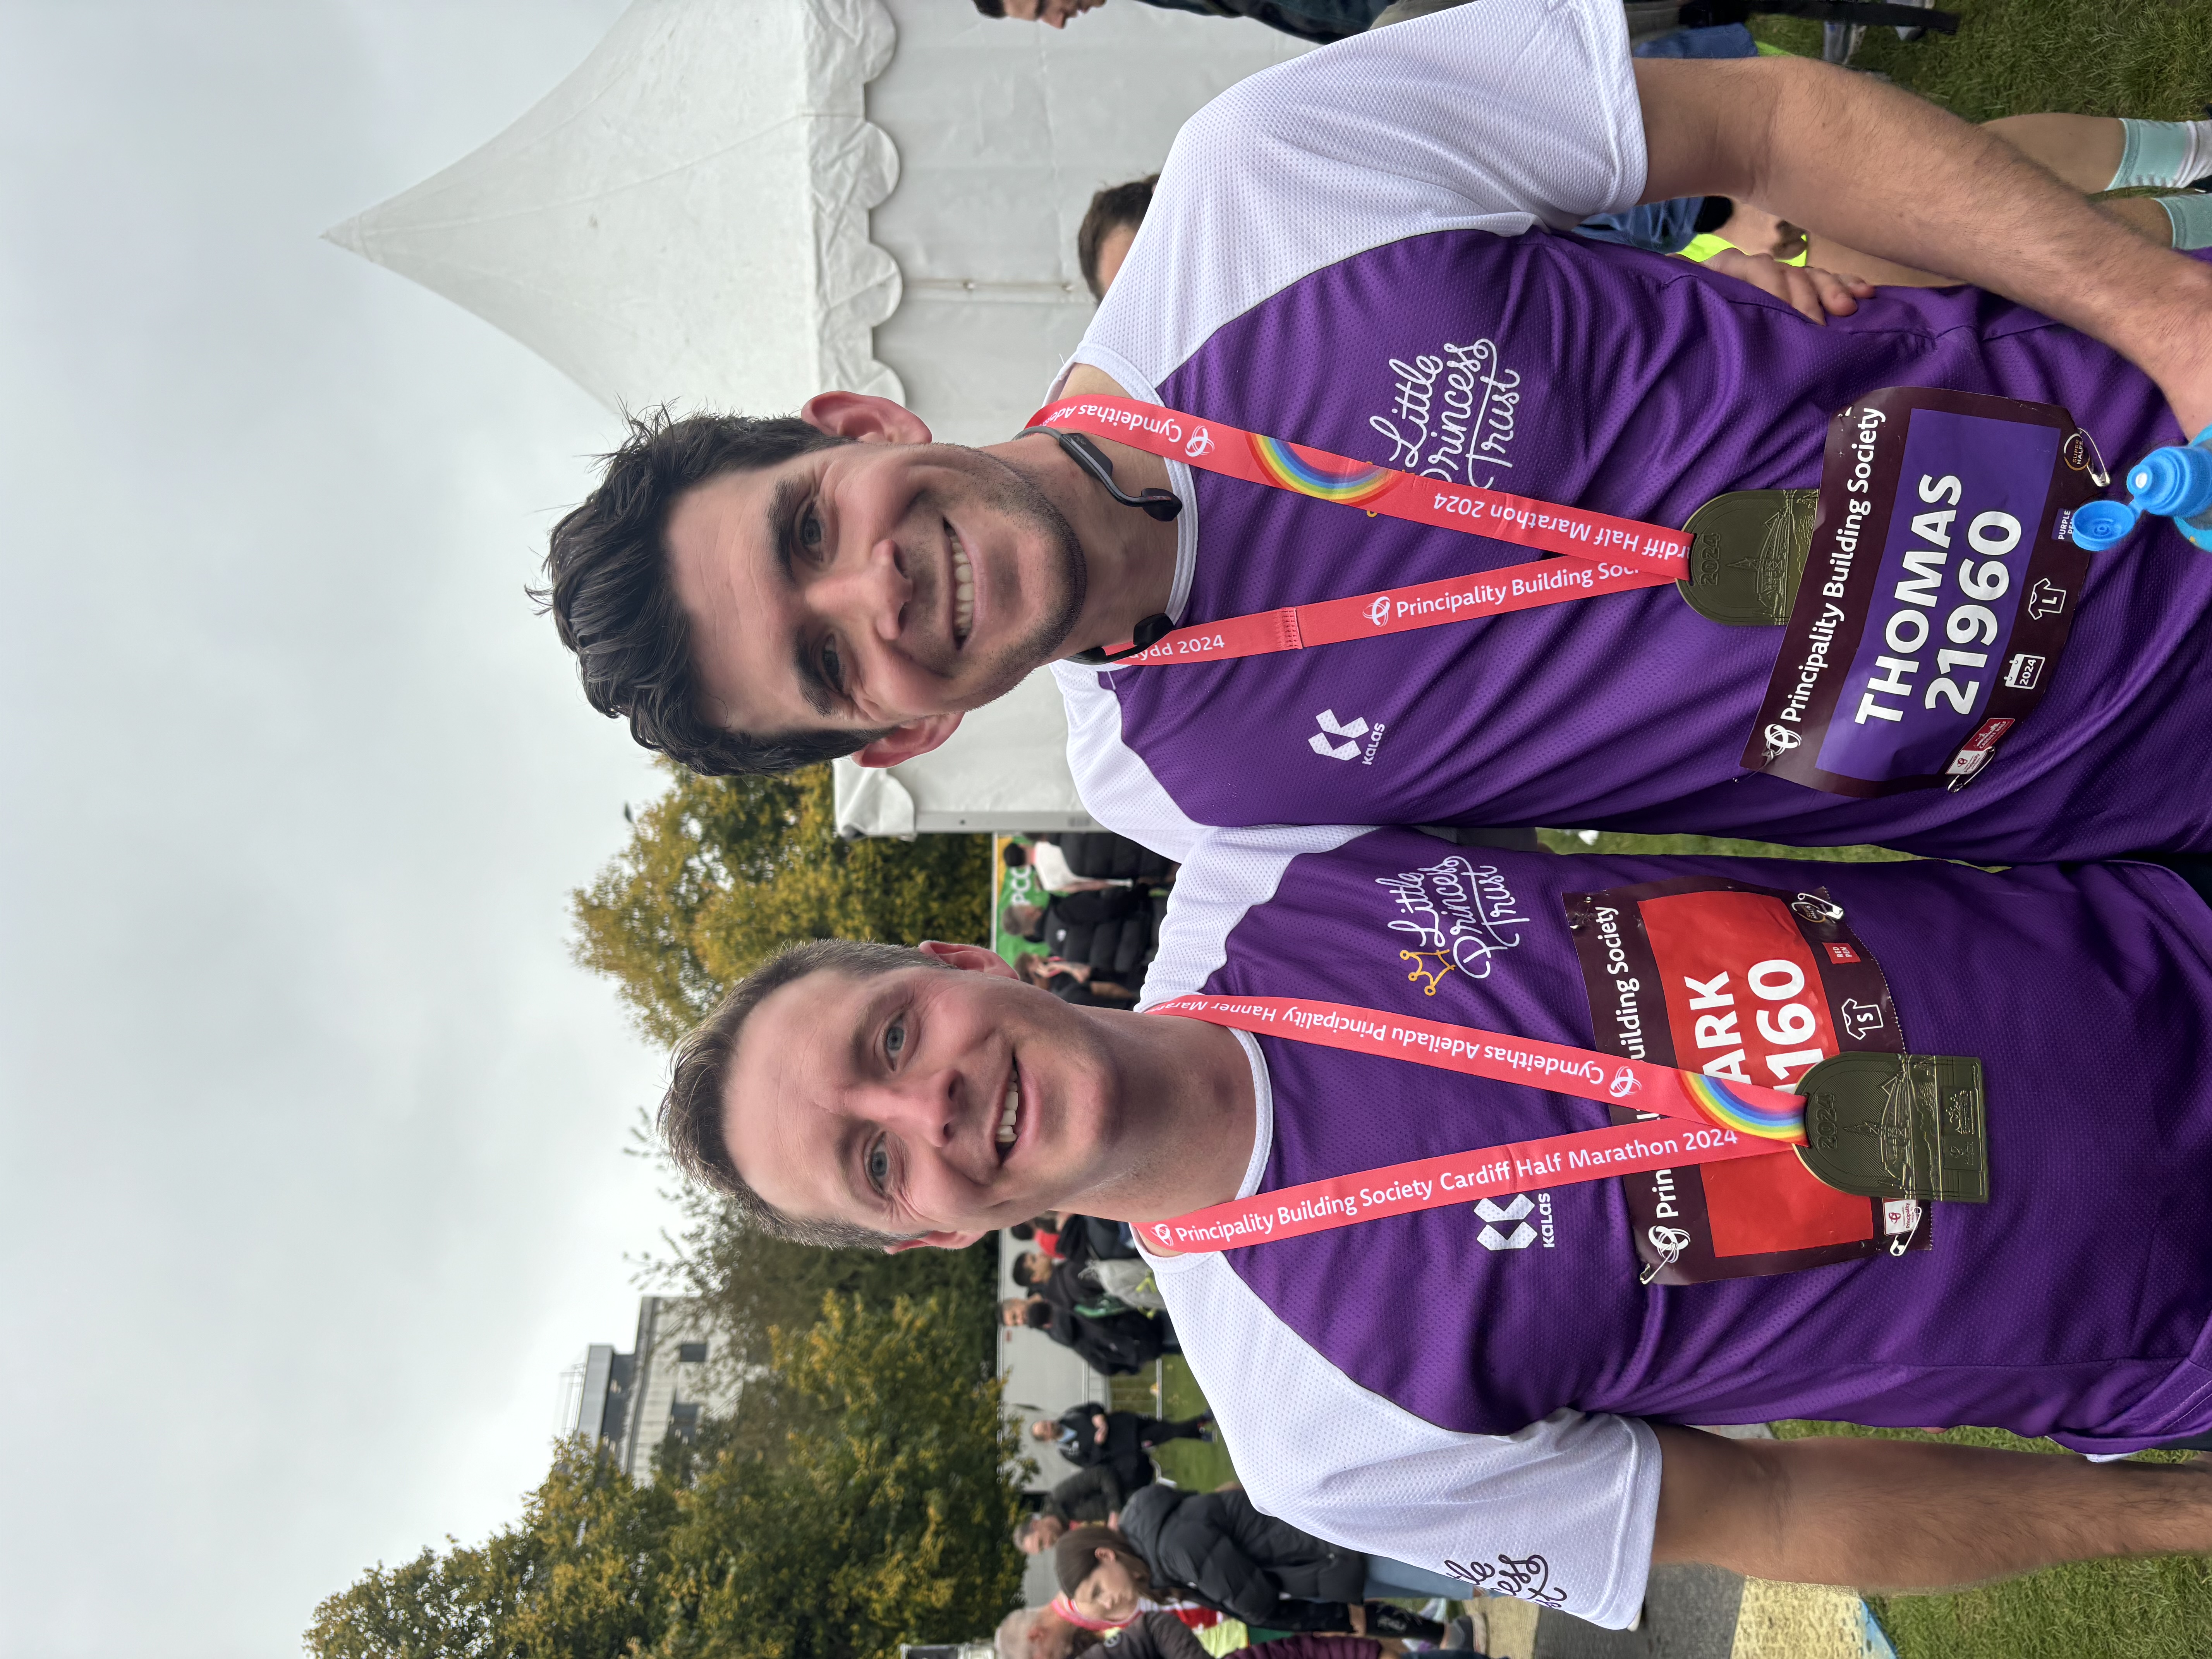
(1188, 1463)
(1568, 841)
(2156, 1609)
(2143, 58)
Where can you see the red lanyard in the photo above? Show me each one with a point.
(1731, 1119)
(1607, 554)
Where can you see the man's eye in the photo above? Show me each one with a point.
(879, 1166)
(895, 1038)
(833, 666)
(809, 530)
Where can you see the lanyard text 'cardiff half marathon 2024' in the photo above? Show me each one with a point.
(1876, 1125)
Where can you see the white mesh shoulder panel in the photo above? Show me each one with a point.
(1117, 787)
(1561, 1513)
(1224, 873)
(1491, 116)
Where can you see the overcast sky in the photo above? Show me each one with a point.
(314, 1136)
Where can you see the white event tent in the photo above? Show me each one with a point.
(737, 203)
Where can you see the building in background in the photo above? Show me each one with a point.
(671, 1378)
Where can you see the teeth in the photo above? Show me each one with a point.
(963, 593)
(1006, 1118)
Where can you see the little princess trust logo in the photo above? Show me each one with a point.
(1456, 916)
(1452, 414)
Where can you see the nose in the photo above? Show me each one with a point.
(922, 1108)
(870, 591)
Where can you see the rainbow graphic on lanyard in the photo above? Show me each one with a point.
(1732, 1111)
(1286, 469)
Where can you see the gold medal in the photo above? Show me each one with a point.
(1898, 1126)
(1748, 551)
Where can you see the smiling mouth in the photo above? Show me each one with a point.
(1010, 1114)
(964, 589)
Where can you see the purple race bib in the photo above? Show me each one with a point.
(1937, 595)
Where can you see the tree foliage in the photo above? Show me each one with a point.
(889, 1523)
(583, 1572)
(885, 1518)
(721, 872)
(750, 1285)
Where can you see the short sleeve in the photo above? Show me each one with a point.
(1493, 115)
(1561, 1513)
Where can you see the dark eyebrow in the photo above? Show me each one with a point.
(782, 515)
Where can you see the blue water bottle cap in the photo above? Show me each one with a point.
(2101, 524)
(2174, 481)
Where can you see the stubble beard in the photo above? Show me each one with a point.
(1005, 492)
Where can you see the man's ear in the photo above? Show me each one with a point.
(858, 415)
(933, 1241)
(969, 959)
(903, 743)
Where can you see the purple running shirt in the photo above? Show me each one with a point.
(1462, 1384)
(1349, 252)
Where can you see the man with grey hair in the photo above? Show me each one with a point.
(1034, 1633)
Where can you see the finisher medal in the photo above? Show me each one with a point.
(1747, 554)
(1898, 1126)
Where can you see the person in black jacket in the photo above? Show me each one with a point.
(1111, 932)
(1219, 1550)
(1124, 1462)
(1092, 1238)
(1114, 1345)
(1071, 982)
(1089, 1434)
(1091, 1495)
(1102, 855)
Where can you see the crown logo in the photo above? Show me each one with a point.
(1434, 977)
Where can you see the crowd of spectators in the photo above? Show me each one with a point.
(1138, 1560)
(1100, 927)
(1087, 1290)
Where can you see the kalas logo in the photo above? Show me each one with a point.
(1378, 613)
(1350, 734)
(1523, 1234)
(1200, 443)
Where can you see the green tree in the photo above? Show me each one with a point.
(720, 871)
(583, 1572)
(889, 1522)
(885, 1518)
(752, 1285)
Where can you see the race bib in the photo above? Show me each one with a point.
(1750, 984)
(1936, 593)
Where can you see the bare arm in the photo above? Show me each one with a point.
(1878, 169)
(1887, 1514)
